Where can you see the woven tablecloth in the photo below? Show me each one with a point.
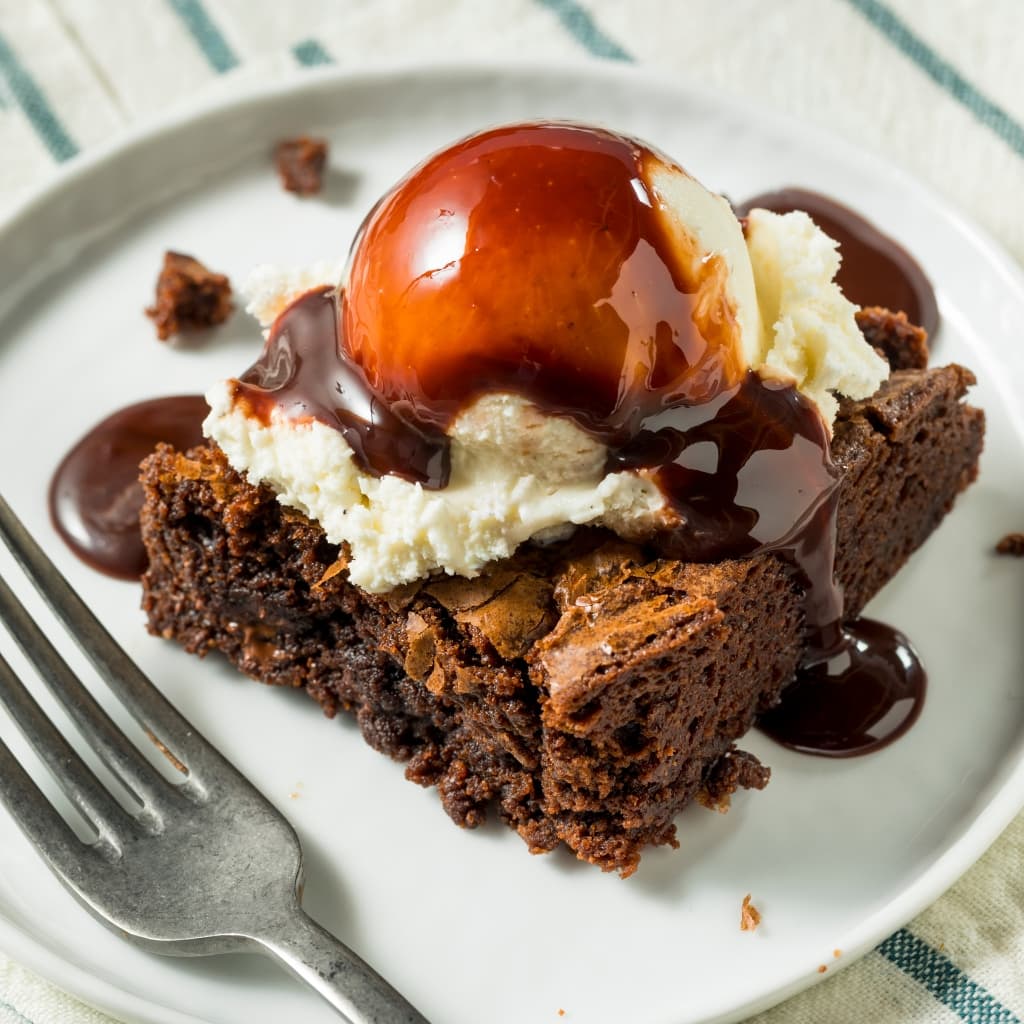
(936, 87)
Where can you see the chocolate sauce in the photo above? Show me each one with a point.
(529, 259)
(854, 702)
(749, 472)
(304, 373)
(95, 495)
(876, 270)
(860, 690)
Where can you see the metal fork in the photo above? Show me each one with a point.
(206, 866)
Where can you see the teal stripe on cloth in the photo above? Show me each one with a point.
(18, 1015)
(34, 103)
(310, 54)
(943, 73)
(576, 18)
(205, 32)
(945, 980)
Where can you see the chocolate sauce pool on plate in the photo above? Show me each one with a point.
(856, 701)
(95, 495)
(876, 270)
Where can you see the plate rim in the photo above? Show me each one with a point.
(1001, 801)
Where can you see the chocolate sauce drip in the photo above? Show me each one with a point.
(303, 372)
(747, 473)
(860, 699)
(876, 270)
(862, 686)
(95, 495)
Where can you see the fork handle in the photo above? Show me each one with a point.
(347, 982)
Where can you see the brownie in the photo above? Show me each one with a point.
(300, 164)
(189, 297)
(587, 690)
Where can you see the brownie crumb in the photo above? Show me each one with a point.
(300, 164)
(822, 969)
(189, 297)
(903, 344)
(736, 769)
(1012, 544)
(750, 916)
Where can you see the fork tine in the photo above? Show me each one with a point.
(82, 787)
(38, 819)
(165, 726)
(114, 748)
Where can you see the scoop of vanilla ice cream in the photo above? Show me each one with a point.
(808, 328)
(517, 473)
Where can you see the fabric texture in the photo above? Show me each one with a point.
(936, 88)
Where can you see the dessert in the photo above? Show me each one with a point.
(587, 690)
(300, 164)
(555, 494)
(189, 297)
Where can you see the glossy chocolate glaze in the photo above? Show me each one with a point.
(876, 270)
(304, 373)
(95, 495)
(860, 699)
(746, 473)
(529, 259)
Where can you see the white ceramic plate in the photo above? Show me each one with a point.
(468, 925)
